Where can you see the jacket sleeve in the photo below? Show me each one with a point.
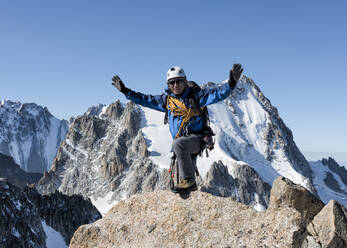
(156, 102)
(213, 95)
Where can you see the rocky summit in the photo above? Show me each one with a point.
(295, 218)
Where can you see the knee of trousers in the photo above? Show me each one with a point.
(177, 145)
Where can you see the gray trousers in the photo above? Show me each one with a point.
(184, 148)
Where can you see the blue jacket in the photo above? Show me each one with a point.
(203, 96)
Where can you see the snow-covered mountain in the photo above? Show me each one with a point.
(330, 180)
(112, 152)
(30, 134)
(104, 157)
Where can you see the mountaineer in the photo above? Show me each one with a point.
(183, 105)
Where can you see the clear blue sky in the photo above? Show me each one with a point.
(63, 54)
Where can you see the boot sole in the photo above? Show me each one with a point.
(194, 187)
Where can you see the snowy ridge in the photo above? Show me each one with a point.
(97, 110)
(325, 192)
(30, 134)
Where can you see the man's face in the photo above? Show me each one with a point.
(177, 85)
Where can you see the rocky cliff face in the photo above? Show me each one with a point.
(295, 218)
(278, 134)
(330, 180)
(329, 227)
(28, 219)
(30, 134)
(340, 171)
(102, 154)
(247, 186)
(15, 175)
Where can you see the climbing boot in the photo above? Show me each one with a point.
(185, 186)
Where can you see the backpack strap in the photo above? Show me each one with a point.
(166, 118)
(191, 99)
(203, 112)
(178, 108)
(194, 102)
(207, 140)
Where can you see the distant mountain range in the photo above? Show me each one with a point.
(339, 157)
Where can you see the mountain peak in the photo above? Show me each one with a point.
(10, 104)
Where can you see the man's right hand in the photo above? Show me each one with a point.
(235, 74)
(117, 82)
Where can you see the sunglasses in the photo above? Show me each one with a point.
(173, 82)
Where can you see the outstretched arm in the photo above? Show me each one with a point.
(154, 102)
(210, 96)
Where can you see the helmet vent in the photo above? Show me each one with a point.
(175, 72)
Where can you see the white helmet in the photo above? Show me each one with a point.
(175, 72)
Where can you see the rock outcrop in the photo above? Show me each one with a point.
(329, 226)
(163, 219)
(285, 193)
(25, 216)
(15, 175)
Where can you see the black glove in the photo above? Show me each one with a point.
(235, 74)
(117, 82)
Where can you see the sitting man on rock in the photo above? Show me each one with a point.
(185, 120)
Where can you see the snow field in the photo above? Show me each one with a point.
(53, 238)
